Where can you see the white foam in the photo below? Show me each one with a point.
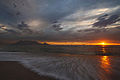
(61, 67)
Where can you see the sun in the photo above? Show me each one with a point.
(103, 43)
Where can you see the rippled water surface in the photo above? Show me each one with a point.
(69, 66)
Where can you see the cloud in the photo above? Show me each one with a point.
(56, 26)
(5, 30)
(77, 20)
(85, 18)
(106, 20)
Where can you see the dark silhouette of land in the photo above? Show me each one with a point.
(24, 42)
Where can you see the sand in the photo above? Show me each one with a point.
(12, 70)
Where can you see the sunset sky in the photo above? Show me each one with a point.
(60, 20)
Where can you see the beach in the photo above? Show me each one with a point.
(42, 66)
(13, 70)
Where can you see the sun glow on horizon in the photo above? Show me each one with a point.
(82, 43)
(103, 43)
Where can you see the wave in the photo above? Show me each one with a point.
(68, 67)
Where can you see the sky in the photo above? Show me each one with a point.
(60, 20)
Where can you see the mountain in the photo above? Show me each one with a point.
(24, 42)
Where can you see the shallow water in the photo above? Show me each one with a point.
(69, 67)
(98, 63)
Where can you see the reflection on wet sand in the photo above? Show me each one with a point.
(105, 63)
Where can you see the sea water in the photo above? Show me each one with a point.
(100, 63)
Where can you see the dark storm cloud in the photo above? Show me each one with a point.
(24, 27)
(13, 11)
(52, 10)
(56, 26)
(11, 31)
(93, 30)
(6, 14)
(57, 9)
(118, 27)
(77, 20)
(103, 21)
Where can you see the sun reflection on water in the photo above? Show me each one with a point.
(103, 50)
(105, 63)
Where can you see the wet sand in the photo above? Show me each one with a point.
(11, 70)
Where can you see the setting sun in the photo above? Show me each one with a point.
(103, 43)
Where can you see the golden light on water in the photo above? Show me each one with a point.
(105, 63)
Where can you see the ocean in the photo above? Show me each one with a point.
(72, 62)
